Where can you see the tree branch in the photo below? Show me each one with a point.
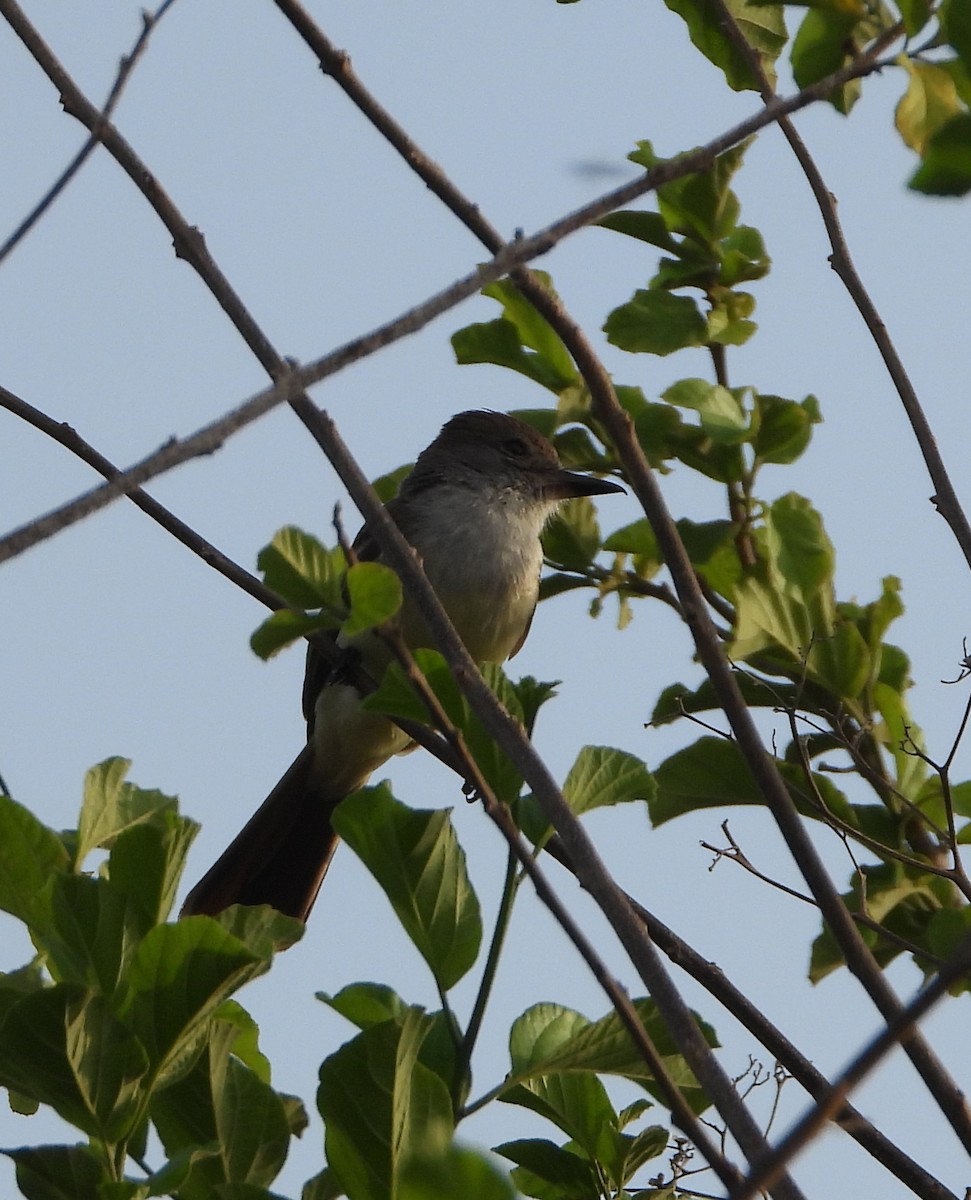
(125, 68)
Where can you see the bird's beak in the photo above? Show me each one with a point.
(564, 485)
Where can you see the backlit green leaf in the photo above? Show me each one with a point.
(303, 571)
(30, 854)
(415, 857)
(458, 1172)
(656, 322)
(381, 1107)
(946, 169)
(284, 627)
(58, 1172)
(111, 805)
(762, 25)
(603, 776)
(711, 773)
(178, 976)
(374, 592)
(931, 99)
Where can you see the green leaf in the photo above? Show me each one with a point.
(574, 1101)
(497, 342)
(824, 43)
(226, 1132)
(931, 99)
(638, 539)
(146, 864)
(109, 1064)
(915, 13)
(251, 1124)
(784, 428)
(656, 322)
(898, 898)
(744, 256)
(956, 27)
(397, 698)
(92, 932)
(64, 1047)
(387, 485)
(603, 776)
(711, 773)
(58, 1172)
(30, 854)
(946, 169)
(645, 226)
(678, 699)
(533, 329)
(787, 601)
(532, 694)
(549, 1038)
(304, 572)
(245, 1045)
(381, 1107)
(722, 416)
(261, 928)
(897, 727)
(179, 975)
(521, 340)
(111, 805)
(284, 627)
(572, 1177)
(703, 208)
(762, 25)
(458, 1172)
(948, 929)
(374, 593)
(416, 858)
(366, 1004)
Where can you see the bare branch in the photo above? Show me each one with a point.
(125, 68)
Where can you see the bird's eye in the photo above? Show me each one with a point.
(516, 447)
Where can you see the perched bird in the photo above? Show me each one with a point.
(473, 508)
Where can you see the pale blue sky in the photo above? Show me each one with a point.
(119, 642)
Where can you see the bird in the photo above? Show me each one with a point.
(473, 507)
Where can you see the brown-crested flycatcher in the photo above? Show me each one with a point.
(473, 508)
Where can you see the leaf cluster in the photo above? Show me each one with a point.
(123, 1022)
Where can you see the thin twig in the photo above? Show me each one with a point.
(125, 68)
(736, 854)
